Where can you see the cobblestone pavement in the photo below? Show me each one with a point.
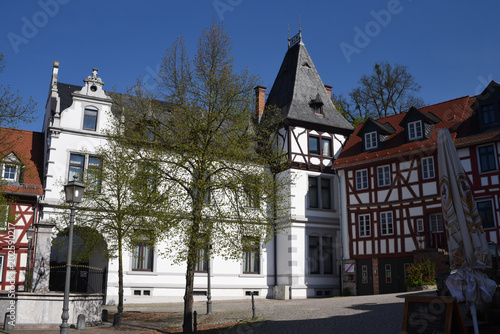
(362, 314)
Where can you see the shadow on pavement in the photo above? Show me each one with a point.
(370, 318)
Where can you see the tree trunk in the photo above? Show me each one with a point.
(187, 327)
(120, 276)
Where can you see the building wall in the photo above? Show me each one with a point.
(14, 245)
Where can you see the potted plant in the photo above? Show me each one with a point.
(421, 275)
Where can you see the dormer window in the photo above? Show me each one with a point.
(317, 105)
(90, 119)
(371, 140)
(10, 173)
(415, 130)
(488, 116)
(10, 168)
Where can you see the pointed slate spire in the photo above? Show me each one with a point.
(299, 91)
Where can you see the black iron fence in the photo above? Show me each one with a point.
(84, 279)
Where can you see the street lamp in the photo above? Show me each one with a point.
(74, 193)
(30, 233)
(209, 284)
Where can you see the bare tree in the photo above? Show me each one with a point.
(387, 91)
(13, 108)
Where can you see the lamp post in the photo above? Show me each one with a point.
(209, 284)
(74, 193)
(30, 233)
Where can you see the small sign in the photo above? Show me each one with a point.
(349, 268)
(432, 315)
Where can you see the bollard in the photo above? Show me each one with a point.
(105, 315)
(80, 324)
(253, 305)
(8, 324)
(117, 320)
(195, 322)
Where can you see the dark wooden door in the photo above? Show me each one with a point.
(364, 277)
(392, 274)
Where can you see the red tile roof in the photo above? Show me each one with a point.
(452, 113)
(28, 148)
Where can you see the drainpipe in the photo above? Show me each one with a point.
(342, 230)
(275, 264)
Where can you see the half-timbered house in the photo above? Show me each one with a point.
(389, 186)
(21, 187)
(313, 132)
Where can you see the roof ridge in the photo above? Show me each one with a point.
(448, 101)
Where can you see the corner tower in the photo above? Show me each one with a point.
(308, 253)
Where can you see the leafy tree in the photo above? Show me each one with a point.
(387, 91)
(110, 204)
(204, 153)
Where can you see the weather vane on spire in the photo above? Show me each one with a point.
(297, 38)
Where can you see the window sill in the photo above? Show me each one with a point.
(321, 210)
(488, 172)
(317, 155)
(251, 275)
(141, 272)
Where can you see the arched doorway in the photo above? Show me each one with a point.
(89, 262)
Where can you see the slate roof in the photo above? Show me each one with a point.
(65, 90)
(297, 85)
(453, 115)
(28, 148)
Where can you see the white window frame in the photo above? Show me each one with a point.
(86, 168)
(142, 246)
(11, 161)
(420, 225)
(433, 226)
(319, 257)
(488, 109)
(385, 172)
(201, 264)
(364, 221)
(15, 172)
(386, 223)
(493, 212)
(252, 256)
(320, 142)
(361, 179)
(319, 193)
(371, 141)
(93, 118)
(495, 158)
(415, 130)
(428, 163)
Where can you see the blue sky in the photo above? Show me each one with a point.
(451, 47)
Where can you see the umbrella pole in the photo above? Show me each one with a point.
(474, 317)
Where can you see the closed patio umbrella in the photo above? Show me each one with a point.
(467, 243)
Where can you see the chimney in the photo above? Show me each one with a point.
(329, 90)
(260, 100)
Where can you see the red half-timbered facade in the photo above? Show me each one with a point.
(389, 183)
(21, 186)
